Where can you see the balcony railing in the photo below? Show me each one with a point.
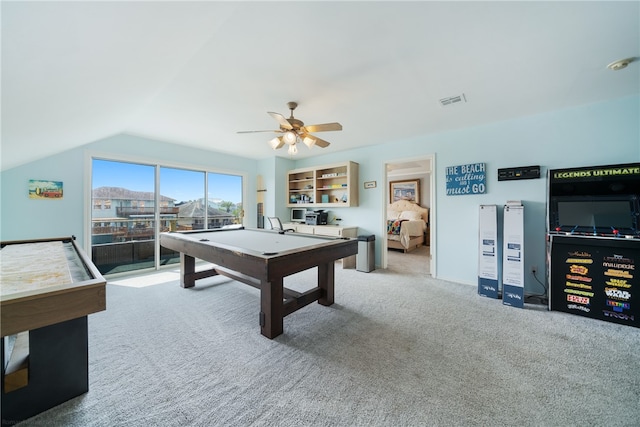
(128, 245)
(150, 211)
(129, 256)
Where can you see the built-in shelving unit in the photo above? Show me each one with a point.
(327, 186)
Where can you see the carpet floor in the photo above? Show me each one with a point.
(396, 349)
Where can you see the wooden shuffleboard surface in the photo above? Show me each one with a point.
(46, 282)
(33, 266)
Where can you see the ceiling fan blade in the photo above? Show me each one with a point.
(255, 131)
(323, 127)
(281, 119)
(311, 140)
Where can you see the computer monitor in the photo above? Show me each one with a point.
(298, 214)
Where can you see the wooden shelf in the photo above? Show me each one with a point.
(334, 185)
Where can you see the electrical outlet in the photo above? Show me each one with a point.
(534, 269)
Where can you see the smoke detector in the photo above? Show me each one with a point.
(620, 64)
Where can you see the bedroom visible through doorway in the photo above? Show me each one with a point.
(408, 216)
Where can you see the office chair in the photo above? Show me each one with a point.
(277, 225)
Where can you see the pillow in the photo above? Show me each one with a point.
(411, 215)
(393, 215)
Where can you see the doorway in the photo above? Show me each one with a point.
(420, 259)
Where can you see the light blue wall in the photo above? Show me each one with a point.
(598, 134)
(23, 218)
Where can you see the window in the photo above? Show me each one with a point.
(183, 190)
(128, 214)
(125, 238)
(225, 195)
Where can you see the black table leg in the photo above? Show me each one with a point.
(58, 370)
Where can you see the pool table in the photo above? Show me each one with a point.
(47, 289)
(262, 259)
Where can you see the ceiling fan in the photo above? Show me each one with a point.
(294, 131)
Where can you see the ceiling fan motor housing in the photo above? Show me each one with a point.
(295, 123)
(294, 131)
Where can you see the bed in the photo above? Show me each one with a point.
(407, 225)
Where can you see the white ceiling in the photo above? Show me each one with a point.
(195, 73)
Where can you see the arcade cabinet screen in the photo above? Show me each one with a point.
(601, 215)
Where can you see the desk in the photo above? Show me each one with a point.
(47, 289)
(262, 258)
(327, 230)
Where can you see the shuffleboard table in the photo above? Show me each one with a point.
(262, 259)
(47, 289)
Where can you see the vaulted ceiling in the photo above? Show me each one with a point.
(196, 73)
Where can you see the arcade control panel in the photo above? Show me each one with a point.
(595, 231)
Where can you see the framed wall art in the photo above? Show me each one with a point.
(405, 190)
(45, 189)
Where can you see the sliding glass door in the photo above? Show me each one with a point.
(132, 203)
(122, 216)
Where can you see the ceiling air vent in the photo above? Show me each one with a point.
(445, 102)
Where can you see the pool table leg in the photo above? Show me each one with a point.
(326, 275)
(187, 270)
(271, 308)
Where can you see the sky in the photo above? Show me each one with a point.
(179, 184)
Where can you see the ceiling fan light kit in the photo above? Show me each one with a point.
(276, 142)
(294, 131)
(290, 137)
(620, 64)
